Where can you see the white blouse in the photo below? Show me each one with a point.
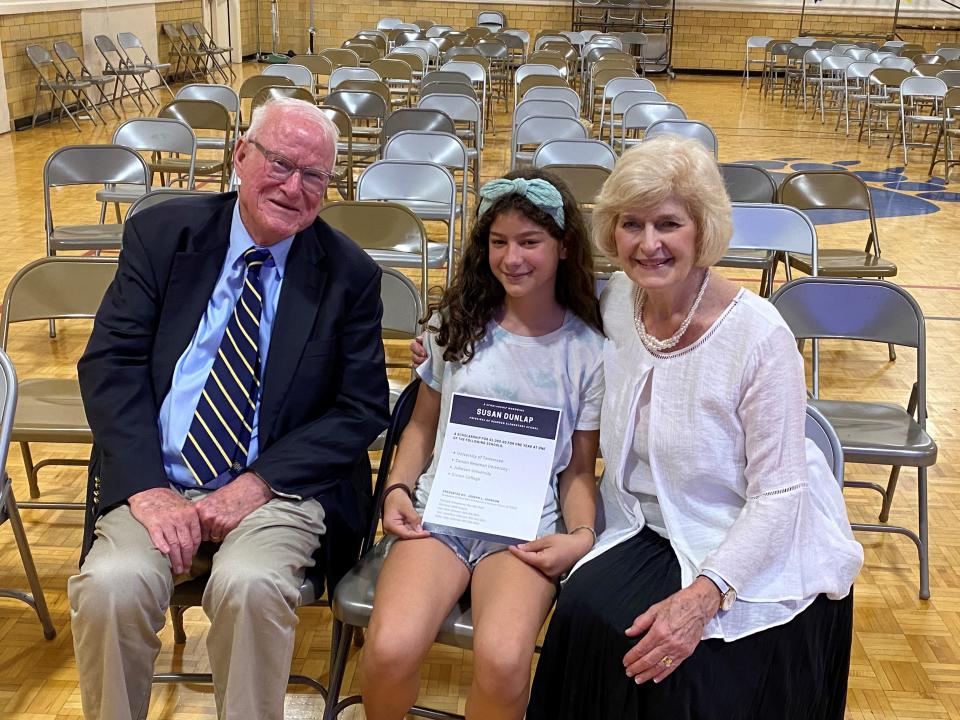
(740, 490)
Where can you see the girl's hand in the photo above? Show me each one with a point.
(418, 351)
(671, 631)
(400, 518)
(553, 555)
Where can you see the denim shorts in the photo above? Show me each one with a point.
(471, 551)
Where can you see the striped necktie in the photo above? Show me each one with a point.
(219, 436)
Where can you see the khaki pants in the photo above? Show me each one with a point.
(119, 600)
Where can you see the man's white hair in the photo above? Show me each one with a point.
(301, 107)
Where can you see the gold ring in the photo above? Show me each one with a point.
(667, 661)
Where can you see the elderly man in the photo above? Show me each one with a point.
(233, 381)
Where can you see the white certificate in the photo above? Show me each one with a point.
(494, 469)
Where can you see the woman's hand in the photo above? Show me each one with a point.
(553, 555)
(671, 631)
(418, 351)
(400, 518)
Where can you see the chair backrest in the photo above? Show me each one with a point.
(128, 41)
(157, 197)
(399, 180)
(763, 226)
(472, 69)
(298, 74)
(531, 108)
(412, 57)
(392, 69)
(821, 432)
(55, 288)
(583, 181)
(748, 183)
(458, 108)
(388, 23)
(366, 50)
(255, 83)
(950, 77)
(535, 69)
(856, 309)
(566, 94)
(826, 189)
(95, 165)
(341, 57)
(624, 99)
(402, 308)
(835, 63)
(449, 88)
(693, 129)
(917, 85)
(900, 63)
(415, 119)
(199, 115)
(927, 69)
(949, 53)
(377, 225)
(341, 74)
(443, 76)
(8, 404)
(106, 47)
(223, 94)
(492, 18)
(161, 135)
(857, 54)
(278, 91)
(861, 69)
(889, 77)
(442, 148)
(359, 104)
(643, 114)
(575, 152)
(533, 81)
(623, 83)
(538, 129)
(460, 52)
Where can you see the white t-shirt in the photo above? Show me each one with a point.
(562, 369)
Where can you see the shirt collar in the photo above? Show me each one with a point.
(241, 241)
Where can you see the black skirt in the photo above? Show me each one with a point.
(796, 671)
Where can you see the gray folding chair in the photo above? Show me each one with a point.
(298, 74)
(428, 189)
(114, 63)
(536, 130)
(156, 197)
(76, 69)
(50, 79)
(129, 43)
(210, 120)
(762, 234)
(575, 152)
(870, 432)
(642, 115)
(821, 432)
(221, 56)
(50, 410)
(748, 183)
(212, 58)
(416, 119)
(8, 504)
(102, 165)
(565, 93)
(388, 232)
(693, 129)
(436, 146)
(223, 94)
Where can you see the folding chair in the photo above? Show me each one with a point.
(297, 74)
(883, 85)
(222, 55)
(188, 59)
(437, 146)
(127, 41)
(818, 429)
(948, 131)
(468, 119)
(754, 42)
(207, 116)
(920, 104)
(399, 78)
(8, 504)
(575, 152)
(250, 87)
(617, 88)
(223, 94)
(692, 129)
(341, 57)
(158, 196)
(870, 432)
(50, 79)
(367, 112)
(426, 188)
(343, 165)
(50, 410)
(98, 165)
(390, 233)
(545, 92)
(536, 130)
(748, 183)
(195, 41)
(76, 69)
(114, 63)
(762, 234)
(639, 116)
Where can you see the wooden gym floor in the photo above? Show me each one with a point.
(906, 652)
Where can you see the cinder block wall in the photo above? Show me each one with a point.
(18, 31)
(704, 39)
(175, 12)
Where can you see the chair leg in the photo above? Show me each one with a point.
(31, 471)
(924, 547)
(37, 601)
(888, 494)
(176, 618)
(339, 654)
(891, 352)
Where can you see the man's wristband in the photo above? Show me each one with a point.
(390, 489)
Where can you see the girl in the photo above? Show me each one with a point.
(519, 322)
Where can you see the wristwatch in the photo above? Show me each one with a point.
(727, 594)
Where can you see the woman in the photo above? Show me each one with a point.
(721, 584)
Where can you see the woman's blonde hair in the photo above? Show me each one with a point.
(663, 167)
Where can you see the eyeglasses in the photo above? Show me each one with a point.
(280, 168)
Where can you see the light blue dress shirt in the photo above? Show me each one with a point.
(193, 367)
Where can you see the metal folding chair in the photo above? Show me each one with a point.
(50, 79)
(128, 42)
(115, 63)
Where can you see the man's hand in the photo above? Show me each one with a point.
(223, 509)
(172, 522)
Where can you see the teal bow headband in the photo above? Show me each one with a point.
(539, 192)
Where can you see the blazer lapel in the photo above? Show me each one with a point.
(193, 275)
(303, 282)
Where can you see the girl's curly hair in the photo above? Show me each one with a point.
(475, 294)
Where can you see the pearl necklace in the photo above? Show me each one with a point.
(654, 344)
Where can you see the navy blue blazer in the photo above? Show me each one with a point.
(324, 389)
